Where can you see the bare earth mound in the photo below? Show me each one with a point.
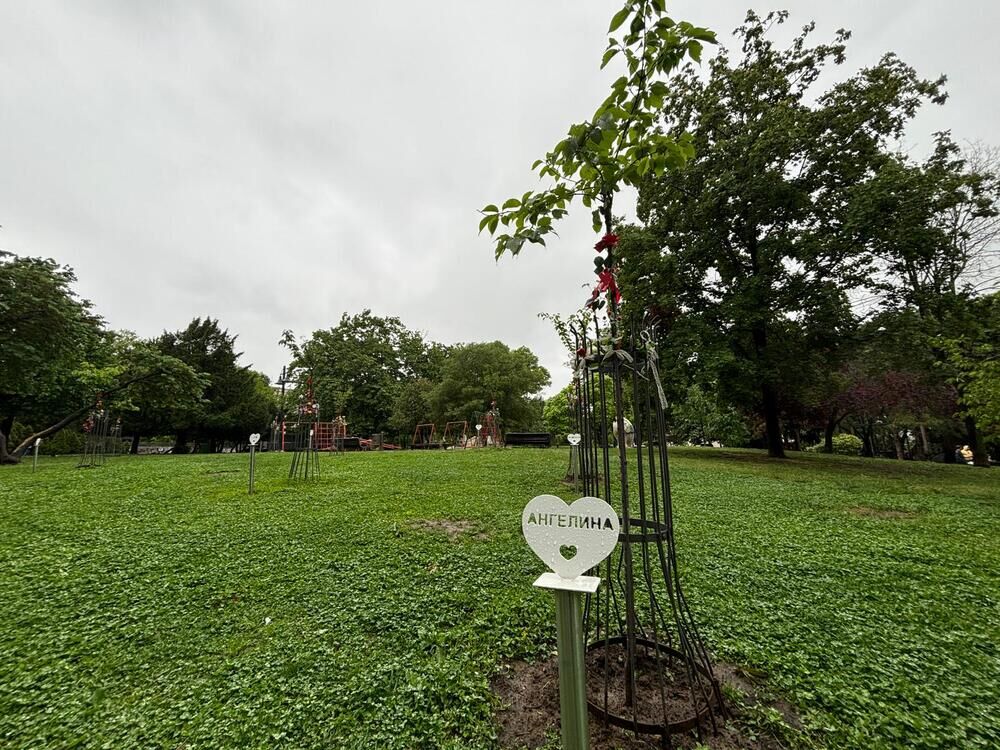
(529, 716)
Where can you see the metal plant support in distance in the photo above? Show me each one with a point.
(300, 439)
(97, 428)
(648, 669)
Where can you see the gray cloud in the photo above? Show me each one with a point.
(276, 164)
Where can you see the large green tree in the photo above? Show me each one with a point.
(474, 375)
(57, 362)
(933, 228)
(45, 333)
(236, 400)
(749, 233)
(358, 367)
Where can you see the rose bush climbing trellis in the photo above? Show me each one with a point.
(643, 645)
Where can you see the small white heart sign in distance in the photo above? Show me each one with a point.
(589, 524)
(254, 438)
(574, 438)
(478, 427)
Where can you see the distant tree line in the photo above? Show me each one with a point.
(385, 378)
(59, 363)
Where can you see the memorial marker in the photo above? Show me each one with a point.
(34, 460)
(254, 439)
(570, 539)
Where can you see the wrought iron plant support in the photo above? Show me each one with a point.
(645, 655)
(97, 428)
(302, 443)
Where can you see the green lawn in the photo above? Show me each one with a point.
(152, 603)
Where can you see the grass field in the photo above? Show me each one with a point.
(152, 603)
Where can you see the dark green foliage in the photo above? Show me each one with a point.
(749, 234)
(236, 400)
(558, 416)
(46, 332)
(359, 366)
(155, 604)
(412, 406)
(698, 418)
(45, 327)
(620, 144)
(473, 375)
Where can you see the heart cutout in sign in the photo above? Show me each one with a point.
(589, 525)
(574, 438)
(254, 438)
(568, 551)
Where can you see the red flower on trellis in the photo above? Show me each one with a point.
(606, 242)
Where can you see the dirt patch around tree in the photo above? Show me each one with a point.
(529, 714)
(865, 512)
(455, 529)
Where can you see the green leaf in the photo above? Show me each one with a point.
(608, 55)
(511, 203)
(483, 222)
(490, 209)
(619, 19)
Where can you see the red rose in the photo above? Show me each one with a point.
(607, 241)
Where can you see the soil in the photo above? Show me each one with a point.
(863, 510)
(529, 695)
(453, 528)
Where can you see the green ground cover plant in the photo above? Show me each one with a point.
(152, 603)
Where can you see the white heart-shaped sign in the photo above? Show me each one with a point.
(589, 524)
(254, 438)
(574, 438)
(478, 427)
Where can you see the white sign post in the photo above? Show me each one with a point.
(573, 474)
(570, 539)
(34, 460)
(254, 439)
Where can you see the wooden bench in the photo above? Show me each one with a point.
(531, 439)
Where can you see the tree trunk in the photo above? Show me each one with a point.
(134, 448)
(180, 442)
(979, 455)
(831, 427)
(6, 458)
(948, 446)
(868, 440)
(6, 425)
(772, 423)
(925, 442)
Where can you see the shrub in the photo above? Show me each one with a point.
(847, 445)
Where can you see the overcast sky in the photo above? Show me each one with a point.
(275, 164)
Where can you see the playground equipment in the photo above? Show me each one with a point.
(425, 436)
(455, 434)
(330, 436)
(490, 433)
